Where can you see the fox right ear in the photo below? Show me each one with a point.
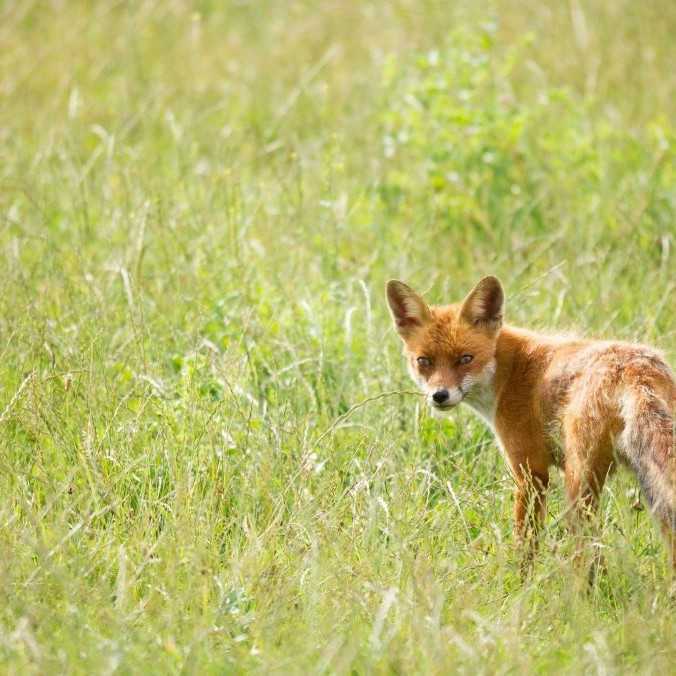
(409, 310)
(484, 304)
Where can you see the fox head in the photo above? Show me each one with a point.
(449, 349)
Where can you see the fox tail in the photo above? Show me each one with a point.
(648, 443)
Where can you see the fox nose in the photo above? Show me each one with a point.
(440, 396)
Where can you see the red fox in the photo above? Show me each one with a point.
(581, 405)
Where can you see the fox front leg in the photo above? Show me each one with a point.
(524, 450)
(529, 513)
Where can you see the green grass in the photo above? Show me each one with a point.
(199, 207)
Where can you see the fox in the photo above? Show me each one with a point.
(584, 406)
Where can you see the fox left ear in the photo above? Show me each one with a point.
(409, 310)
(484, 304)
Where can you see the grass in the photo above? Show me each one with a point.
(200, 204)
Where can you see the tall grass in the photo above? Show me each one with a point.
(200, 204)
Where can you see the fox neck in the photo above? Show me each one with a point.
(484, 395)
(515, 348)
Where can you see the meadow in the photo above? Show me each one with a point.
(210, 457)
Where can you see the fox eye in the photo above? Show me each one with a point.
(424, 361)
(466, 359)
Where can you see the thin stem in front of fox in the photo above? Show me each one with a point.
(343, 416)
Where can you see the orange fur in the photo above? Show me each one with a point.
(581, 405)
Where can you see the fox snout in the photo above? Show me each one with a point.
(444, 398)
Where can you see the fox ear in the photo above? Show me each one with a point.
(484, 304)
(409, 310)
